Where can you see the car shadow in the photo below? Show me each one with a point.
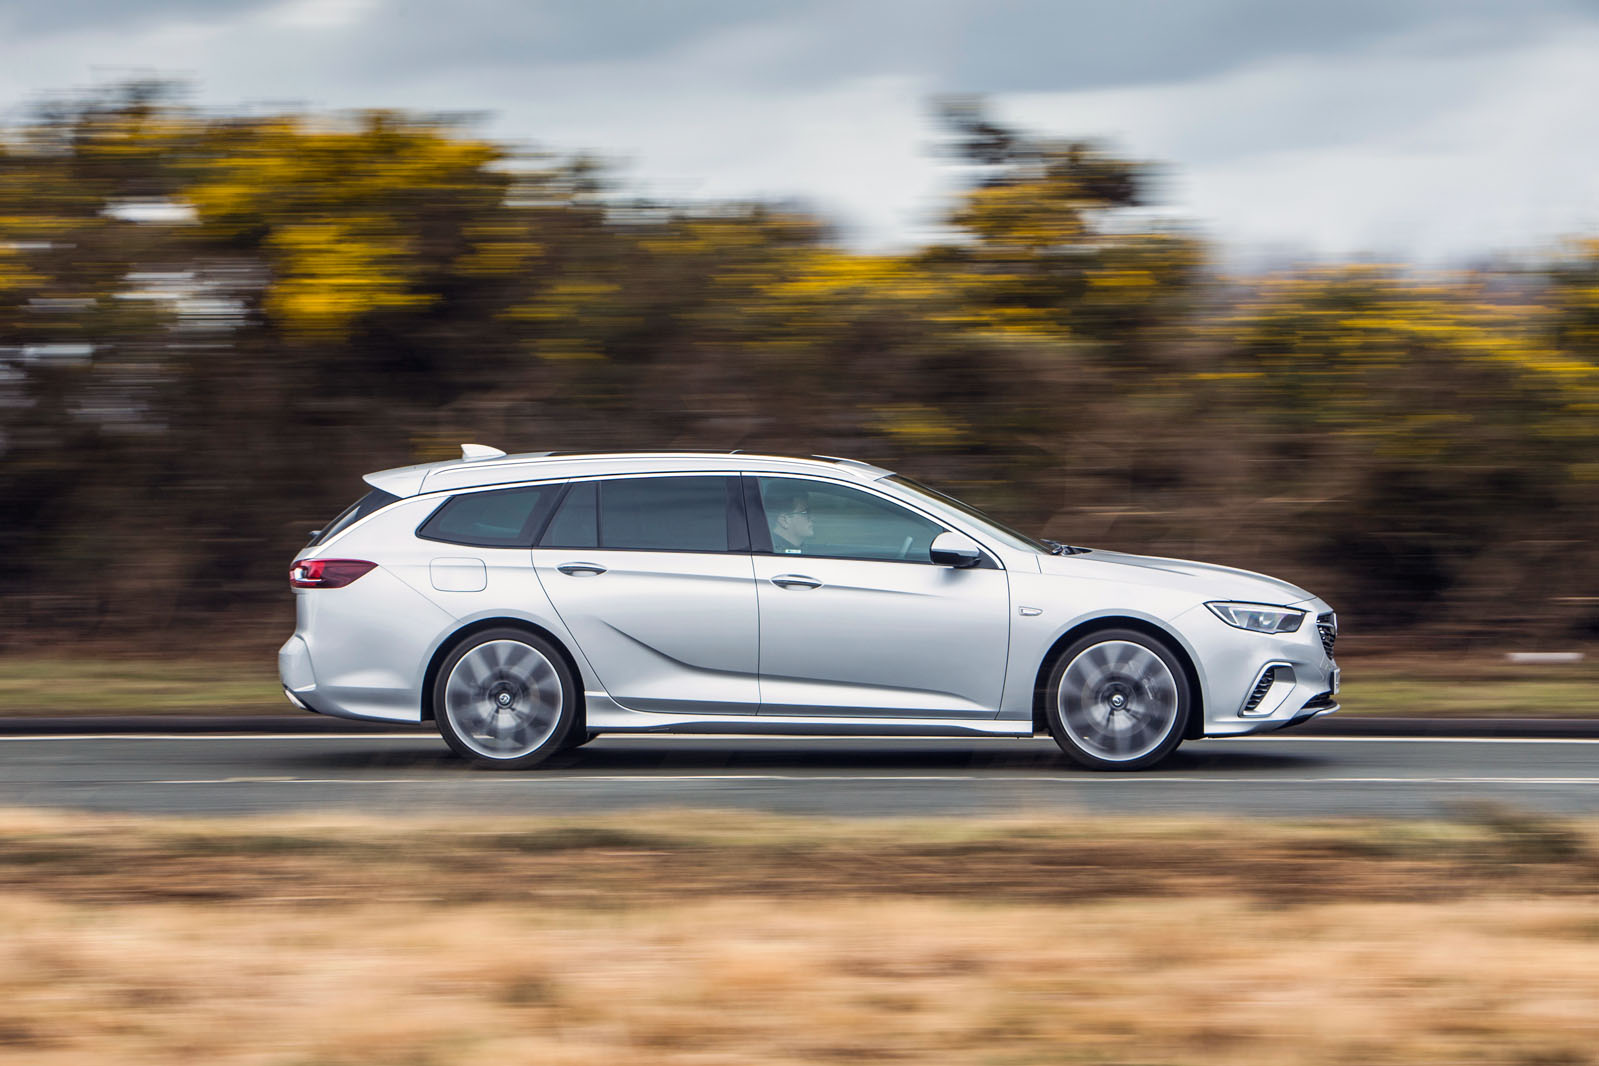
(1195, 757)
(696, 755)
(425, 756)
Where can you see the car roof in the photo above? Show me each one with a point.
(481, 466)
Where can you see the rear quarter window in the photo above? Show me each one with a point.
(504, 518)
(352, 514)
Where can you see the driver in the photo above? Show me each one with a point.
(790, 518)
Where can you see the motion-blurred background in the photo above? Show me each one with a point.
(1313, 293)
(1304, 287)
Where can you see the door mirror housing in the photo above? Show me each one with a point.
(955, 549)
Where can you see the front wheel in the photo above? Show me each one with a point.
(1118, 700)
(505, 699)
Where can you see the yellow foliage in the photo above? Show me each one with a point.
(1419, 369)
(917, 425)
(1031, 215)
(1121, 279)
(334, 272)
(498, 250)
(834, 273)
(13, 274)
(565, 350)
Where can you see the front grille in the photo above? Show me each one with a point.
(1261, 688)
(1327, 626)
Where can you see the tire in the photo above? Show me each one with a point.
(505, 699)
(577, 738)
(1118, 699)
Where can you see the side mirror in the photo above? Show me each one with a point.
(955, 549)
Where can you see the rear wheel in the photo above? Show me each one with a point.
(1118, 700)
(505, 699)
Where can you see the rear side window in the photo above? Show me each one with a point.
(686, 514)
(505, 518)
(352, 514)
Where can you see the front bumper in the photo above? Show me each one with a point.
(1257, 682)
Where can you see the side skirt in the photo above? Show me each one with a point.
(605, 715)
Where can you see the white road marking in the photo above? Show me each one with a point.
(611, 738)
(1087, 779)
(1410, 740)
(218, 736)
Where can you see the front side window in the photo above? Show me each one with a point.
(506, 518)
(689, 514)
(941, 502)
(823, 519)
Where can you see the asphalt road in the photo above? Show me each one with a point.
(198, 773)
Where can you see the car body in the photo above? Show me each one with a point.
(526, 603)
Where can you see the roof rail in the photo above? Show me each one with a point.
(875, 471)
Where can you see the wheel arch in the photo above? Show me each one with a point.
(1195, 728)
(446, 645)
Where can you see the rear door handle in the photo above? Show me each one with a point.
(796, 581)
(581, 568)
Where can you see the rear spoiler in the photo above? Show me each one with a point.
(407, 480)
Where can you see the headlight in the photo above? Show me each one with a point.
(1258, 617)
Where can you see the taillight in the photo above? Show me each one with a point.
(327, 573)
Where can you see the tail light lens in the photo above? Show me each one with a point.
(327, 573)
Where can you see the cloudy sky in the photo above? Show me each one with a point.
(1433, 131)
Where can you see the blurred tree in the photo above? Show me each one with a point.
(74, 349)
(1048, 249)
(212, 323)
(1574, 280)
(1452, 448)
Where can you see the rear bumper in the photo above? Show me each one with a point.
(297, 671)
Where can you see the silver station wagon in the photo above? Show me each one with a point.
(527, 603)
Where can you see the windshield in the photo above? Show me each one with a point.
(934, 500)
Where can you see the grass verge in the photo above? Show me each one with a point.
(96, 684)
(706, 938)
(1408, 686)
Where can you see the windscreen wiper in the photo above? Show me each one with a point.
(1057, 548)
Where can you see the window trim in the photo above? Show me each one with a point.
(756, 509)
(756, 528)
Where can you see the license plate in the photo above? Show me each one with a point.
(1337, 680)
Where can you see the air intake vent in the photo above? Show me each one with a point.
(1262, 687)
(1327, 626)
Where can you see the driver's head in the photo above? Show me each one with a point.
(791, 520)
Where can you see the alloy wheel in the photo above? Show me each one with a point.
(504, 699)
(1118, 700)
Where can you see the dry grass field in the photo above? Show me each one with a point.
(707, 938)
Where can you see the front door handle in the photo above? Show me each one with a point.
(796, 581)
(581, 568)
